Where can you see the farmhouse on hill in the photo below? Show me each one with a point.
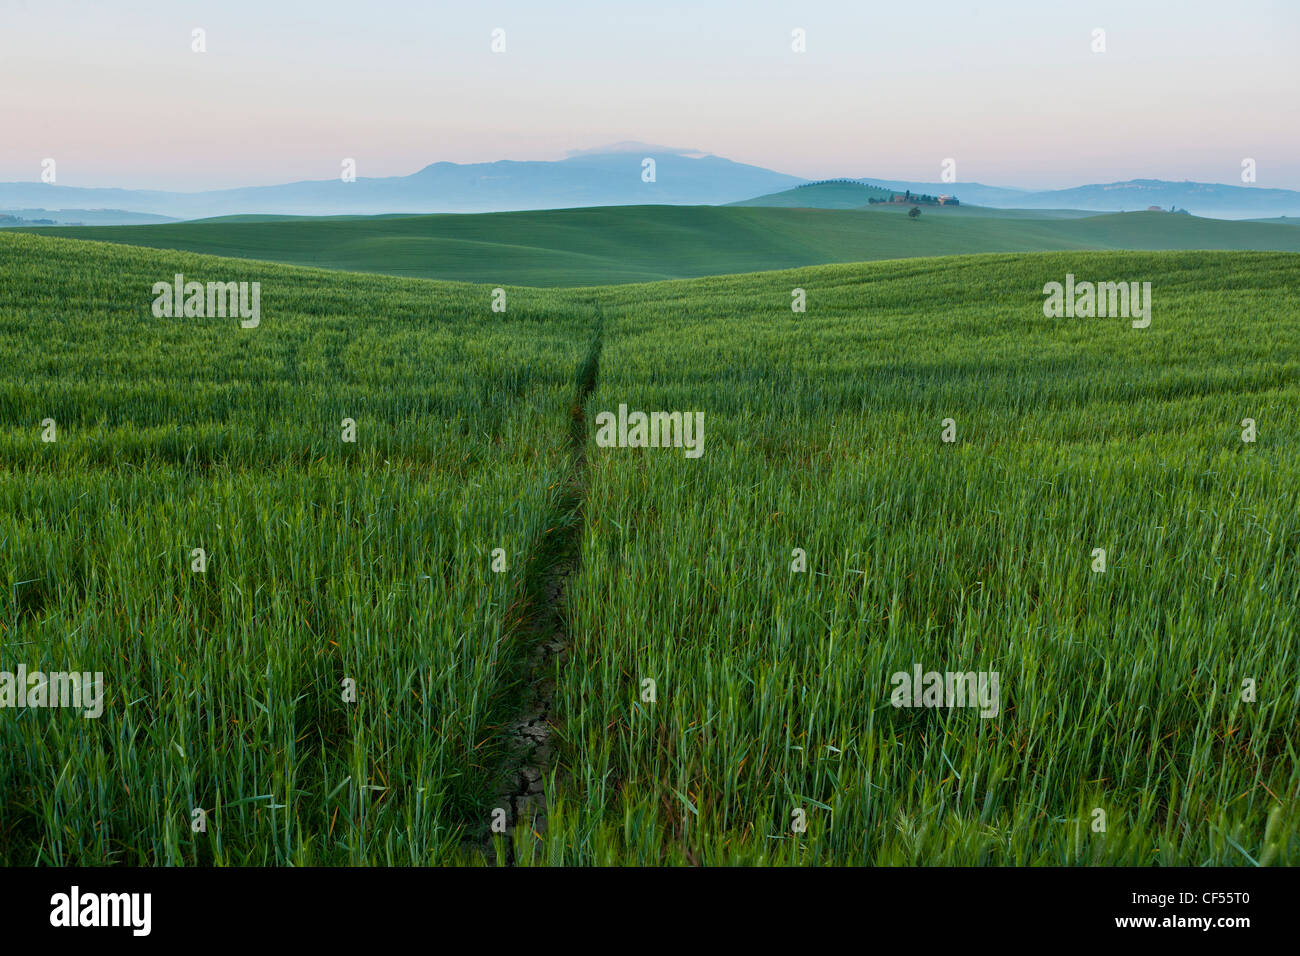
(909, 198)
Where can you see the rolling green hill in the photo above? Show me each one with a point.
(985, 212)
(1280, 220)
(837, 194)
(619, 244)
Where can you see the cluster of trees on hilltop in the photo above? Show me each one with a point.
(829, 182)
(921, 199)
(8, 220)
(907, 196)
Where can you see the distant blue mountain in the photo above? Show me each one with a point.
(596, 178)
(610, 176)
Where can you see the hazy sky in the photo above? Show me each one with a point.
(1011, 90)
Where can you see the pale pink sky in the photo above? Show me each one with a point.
(1011, 90)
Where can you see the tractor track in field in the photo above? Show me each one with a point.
(530, 735)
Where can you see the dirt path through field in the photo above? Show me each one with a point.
(531, 745)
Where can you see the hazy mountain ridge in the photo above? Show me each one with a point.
(610, 176)
(595, 179)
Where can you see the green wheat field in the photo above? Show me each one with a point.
(1161, 691)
